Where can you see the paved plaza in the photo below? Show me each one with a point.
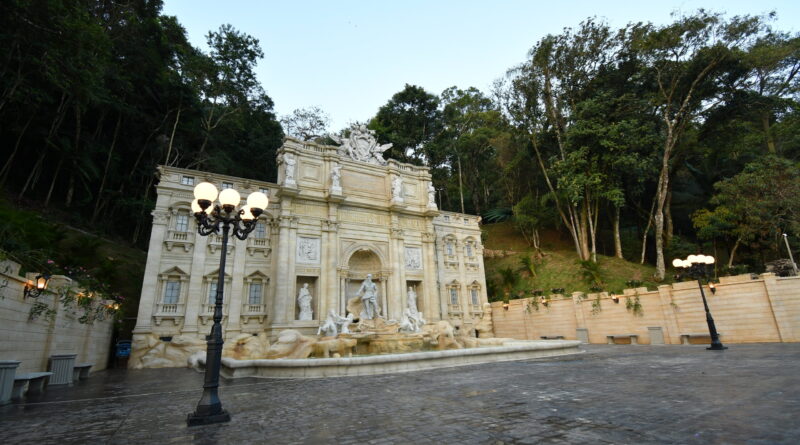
(610, 394)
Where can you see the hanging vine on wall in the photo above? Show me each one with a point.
(596, 306)
(532, 303)
(41, 309)
(634, 305)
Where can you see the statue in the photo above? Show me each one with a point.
(397, 189)
(288, 178)
(485, 328)
(336, 176)
(304, 301)
(344, 323)
(362, 146)
(412, 300)
(431, 196)
(329, 329)
(369, 299)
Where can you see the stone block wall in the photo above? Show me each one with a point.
(745, 310)
(33, 341)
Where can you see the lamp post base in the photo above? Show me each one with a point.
(195, 419)
(718, 347)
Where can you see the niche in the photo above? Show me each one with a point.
(301, 283)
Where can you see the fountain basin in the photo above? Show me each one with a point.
(393, 363)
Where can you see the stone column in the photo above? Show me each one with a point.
(234, 296)
(282, 285)
(150, 291)
(431, 308)
(397, 253)
(290, 296)
(196, 296)
(329, 278)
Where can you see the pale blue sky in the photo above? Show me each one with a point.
(350, 57)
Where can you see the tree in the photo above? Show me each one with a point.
(409, 121)
(306, 123)
(686, 59)
(760, 202)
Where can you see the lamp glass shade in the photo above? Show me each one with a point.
(196, 208)
(693, 259)
(257, 200)
(229, 197)
(205, 190)
(677, 262)
(247, 215)
(41, 282)
(709, 259)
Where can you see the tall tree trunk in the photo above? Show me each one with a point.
(733, 251)
(53, 181)
(172, 136)
(34, 171)
(647, 230)
(768, 139)
(460, 186)
(668, 226)
(99, 198)
(9, 162)
(617, 237)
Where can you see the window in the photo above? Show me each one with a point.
(466, 221)
(182, 222)
(212, 292)
(187, 180)
(446, 218)
(468, 249)
(264, 191)
(474, 294)
(449, 246)
(255, 293)
(261, 230)
(172, 292)
(453, 296)
(227, 185)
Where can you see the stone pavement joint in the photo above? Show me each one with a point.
(612, 394)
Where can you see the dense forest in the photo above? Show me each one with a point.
(645, 143)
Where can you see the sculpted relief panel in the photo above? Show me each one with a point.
(307, 250)
(363, 217)
(413, 258)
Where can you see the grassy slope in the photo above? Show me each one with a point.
(558, 268)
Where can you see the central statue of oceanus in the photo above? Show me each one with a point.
(361, 145)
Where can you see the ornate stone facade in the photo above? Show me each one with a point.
(332, 220)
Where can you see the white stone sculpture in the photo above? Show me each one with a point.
(307, 250)
(397, 189)
(362, 146)
(412, 300)
(413, 258)
(369, 299)
(304, 301)
(336, 176)
(431, 197)
(343, 323)
(329, 329)
(289, 163)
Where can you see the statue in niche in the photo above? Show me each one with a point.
(431, 196)
(289, 163)
(412, 299)
(369, 299)
(397, 189)
(361, 145)
(336, 176)
(304, 301)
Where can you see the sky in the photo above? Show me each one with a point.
(350, 57)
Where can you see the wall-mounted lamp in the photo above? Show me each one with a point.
(33, 289)
(505, 306)
(615, 298)
(545, 301)
(712, 287)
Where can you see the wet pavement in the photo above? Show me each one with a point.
(610, 394)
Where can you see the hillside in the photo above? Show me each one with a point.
(557, 267)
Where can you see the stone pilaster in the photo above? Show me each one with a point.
(150, 291)
(237, 291)
(431, 308)
(282, 284)
(396, 298)
(196, 296)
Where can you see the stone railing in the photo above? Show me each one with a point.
(178, 238)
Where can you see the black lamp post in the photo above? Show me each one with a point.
(695, 267)
(223, 216)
